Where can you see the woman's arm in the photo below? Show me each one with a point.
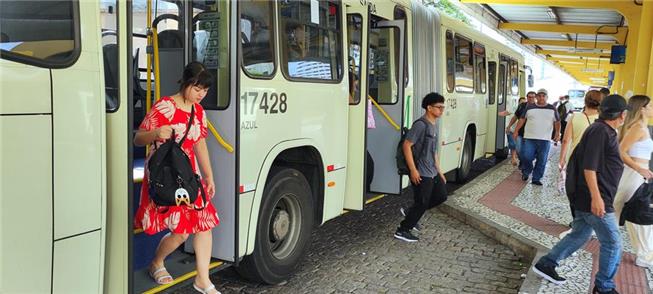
(143, 137)
(202, 153)
(566, 140)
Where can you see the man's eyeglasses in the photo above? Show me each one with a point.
(440, 107)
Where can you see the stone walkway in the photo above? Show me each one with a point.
(540, 214)
(356, 253)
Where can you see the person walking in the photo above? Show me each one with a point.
(170, 117)
(636, 147)
(420, 150)
(539, 121)
(597, 169)
(512, 143)
(521, 108)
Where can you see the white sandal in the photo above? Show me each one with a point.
(206, 290)
(159, 279)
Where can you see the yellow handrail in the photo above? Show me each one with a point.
(385, 114)
(219, 138)
(157, 77)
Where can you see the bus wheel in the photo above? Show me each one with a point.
(284, 228)
(462, 173)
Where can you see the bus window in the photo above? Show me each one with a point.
(40, 33)
(501, 90)
(464, 66)
(400, 14)
(479, 74)
(514, 77)
(211, 47)
(109, 19)
(492, 81)
(257, 38)
(355, 35)
(450, 62)
(383, 62)
(312, 47)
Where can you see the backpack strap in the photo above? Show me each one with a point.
(190, 122)
(205, 199)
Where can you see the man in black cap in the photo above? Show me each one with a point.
(597, 168)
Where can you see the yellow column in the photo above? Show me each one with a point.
(648, 10)
(628, 68)
(643, 56)
(616, 83)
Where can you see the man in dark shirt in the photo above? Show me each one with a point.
(521, 109)
(420, 150)
(599, 169)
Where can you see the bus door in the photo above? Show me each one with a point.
(357, 25)
(188, 31)
(386, 90)
(501, 104)
(491, 106)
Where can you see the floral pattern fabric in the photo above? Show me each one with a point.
(178, 219)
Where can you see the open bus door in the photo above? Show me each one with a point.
(501, 104)
(386, 88)
(357, 36)
(184, 31)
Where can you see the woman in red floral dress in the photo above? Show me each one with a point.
(168, 114)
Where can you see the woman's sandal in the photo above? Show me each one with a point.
(160, 278)
(206, 290)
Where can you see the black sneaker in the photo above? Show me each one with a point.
(536, 183)
(611, 291)
(548, 273)
(417, 227)
(524, 177)
(405, 236)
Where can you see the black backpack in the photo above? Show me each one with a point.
(172, 180)
(638, 209)
(562, 110)
(402, 167)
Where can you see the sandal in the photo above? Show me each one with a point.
(160, 278)
(206, 290)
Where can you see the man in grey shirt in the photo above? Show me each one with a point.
(420, 151)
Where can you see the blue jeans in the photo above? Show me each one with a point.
(538, 150)
(581, 230)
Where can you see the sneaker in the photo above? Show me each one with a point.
(548, 273)
(417, 227)
(405, 236)
(538, 183)
(611, 291)
(524, 177)
(643, 263)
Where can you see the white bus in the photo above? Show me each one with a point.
(290, 144)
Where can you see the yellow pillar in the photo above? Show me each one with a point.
(648, 10)
(643, 56)
(628, 68)
(616, 83)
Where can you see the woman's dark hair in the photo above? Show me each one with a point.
(432, 98)
(195, 74)
(593, 99)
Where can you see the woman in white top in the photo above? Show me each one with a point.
(576, 125)
(635, 148)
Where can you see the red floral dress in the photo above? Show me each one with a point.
(178, 219)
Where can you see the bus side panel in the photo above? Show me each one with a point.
(25, 89)
(78, 126)
(26, 205)
(72, 274)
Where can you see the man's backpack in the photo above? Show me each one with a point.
(402, 166)
(638, 209)
(562, 110)
(172, 180)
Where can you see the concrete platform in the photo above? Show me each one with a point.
(529, 218)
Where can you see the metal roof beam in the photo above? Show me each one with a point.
(627, 8)
(579, 59)
(566, 53)
(619, 33)
(562, 43)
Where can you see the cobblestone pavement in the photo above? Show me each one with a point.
(357, 253)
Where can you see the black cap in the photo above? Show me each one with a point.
(613, 104)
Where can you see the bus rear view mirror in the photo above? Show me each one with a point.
(531, 81)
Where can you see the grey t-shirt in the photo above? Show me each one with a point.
(424, 137)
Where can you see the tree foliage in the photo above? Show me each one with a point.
(447, 8)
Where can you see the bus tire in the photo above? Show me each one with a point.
(283, 228)
(462, 173)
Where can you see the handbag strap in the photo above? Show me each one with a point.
(190, 122)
